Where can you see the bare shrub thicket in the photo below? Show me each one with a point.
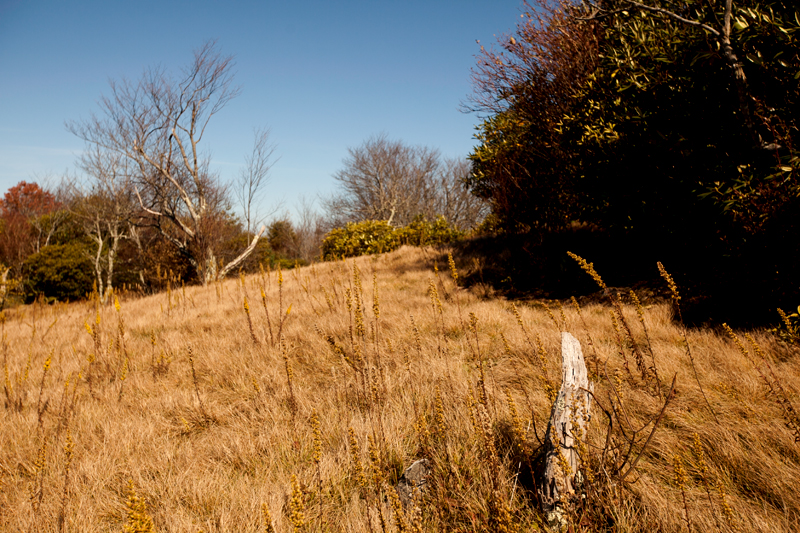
(384, 179)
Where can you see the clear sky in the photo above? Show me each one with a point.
(322, 75)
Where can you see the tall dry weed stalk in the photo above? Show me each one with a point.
(621, 324)
(654, 366)
(41, 408)
(196, 384)
(676, 300)
(292, 399)
(69, 451)
(297, 507)
(39, 465)
(266, 518)
(703, 472)
(681, 480)
(252, 330)
(771, 381)
(316, 443)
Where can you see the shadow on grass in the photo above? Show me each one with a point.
(718, 283)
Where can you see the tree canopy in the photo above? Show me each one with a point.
(616, 112)
(670, 122)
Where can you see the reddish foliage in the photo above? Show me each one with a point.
(28, 200)
(537, 70)
(22, 204)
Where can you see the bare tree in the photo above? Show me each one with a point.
(158, 124)
(384, 180)
(310, 229)
(452, 197)
(249, 187)
(388, 180)
(108, 210)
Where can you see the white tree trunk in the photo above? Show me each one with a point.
(111, 258)
(562, 478)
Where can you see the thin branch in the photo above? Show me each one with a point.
(675, 16)
(247, 251)
(655, 425)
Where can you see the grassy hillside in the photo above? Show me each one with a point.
(182, 411)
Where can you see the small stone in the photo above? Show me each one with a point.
(414, 477)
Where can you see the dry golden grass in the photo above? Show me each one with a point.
(188, 416)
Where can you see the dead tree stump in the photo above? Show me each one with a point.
(561, 479)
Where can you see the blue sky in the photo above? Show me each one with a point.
(323, 76)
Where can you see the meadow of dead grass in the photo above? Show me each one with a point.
(189, 411)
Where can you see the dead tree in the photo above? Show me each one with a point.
(158, 124)
(453, 199)
(384, 180)
(252, 180)
(561, 477)
(562, 481)
(107, 211)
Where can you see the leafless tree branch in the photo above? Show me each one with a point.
(157, 124)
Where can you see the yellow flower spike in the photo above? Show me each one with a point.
(589, 269)
(317, 441)
(670, 282)
(296, 515)
(452, 265)
(267, 518)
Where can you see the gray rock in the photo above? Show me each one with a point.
(414, 477)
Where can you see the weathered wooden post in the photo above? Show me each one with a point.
(561, 477)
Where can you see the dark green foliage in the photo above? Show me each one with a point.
(643, 123)
(664, 123)
(789, 328)
(642, 127)
(281, 237)
(529, 185)
(61, 271)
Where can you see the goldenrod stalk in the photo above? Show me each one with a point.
(296, 507)
(681, 480)
(267, 519)
(316, 453)
(196, 383)
(69, 448)
(676, 297)
(138, 519)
